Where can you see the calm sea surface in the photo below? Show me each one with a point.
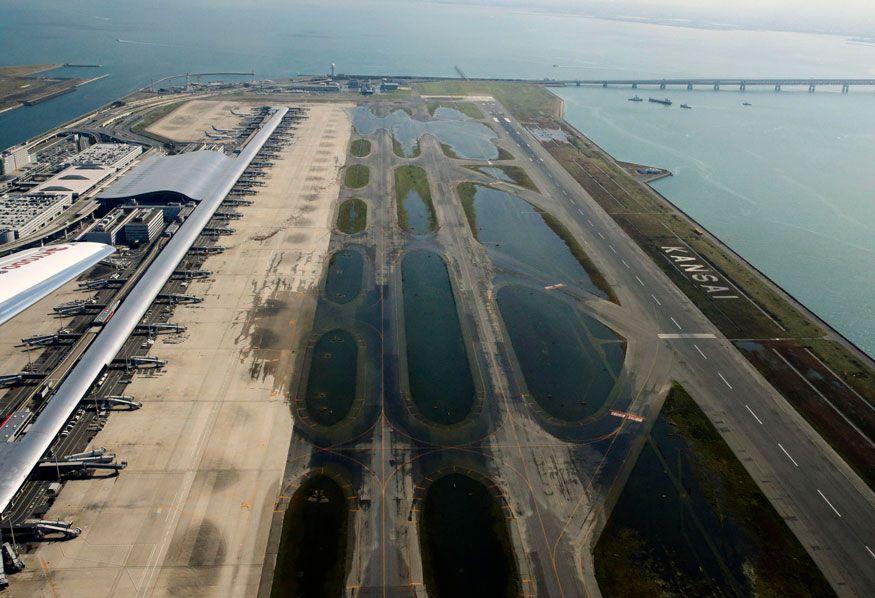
(787, 182)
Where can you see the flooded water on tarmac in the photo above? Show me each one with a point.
(510, 227)
(312, 555)
(352, 216)
(570, 361)
(447, 113)
(496, 173)
(715, 534)
(344, 281)
(416, 215)
(331, 384)
(467, 138)
(439, 374)
(466, 547)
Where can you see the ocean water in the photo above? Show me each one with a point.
(787, 183)
(280, 38)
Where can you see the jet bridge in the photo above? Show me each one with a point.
(19, 457)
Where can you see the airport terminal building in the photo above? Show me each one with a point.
(181, 178)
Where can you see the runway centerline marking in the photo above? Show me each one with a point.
(579, 211)
(600, 234)
(823, 496)
(759, 421)
(675, 322)
(725, 381)
(792, 460)
(665, 335)
(624, 263)
(589, 222)
(641, 282)
(658, 302)
(872, 554)
(612, 248)
(700, 351)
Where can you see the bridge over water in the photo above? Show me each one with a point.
(717, 83)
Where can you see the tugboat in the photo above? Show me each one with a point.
(635, 99)
(687, 106)
(746, 104)
(665, 102)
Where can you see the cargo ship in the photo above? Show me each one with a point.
(665, 102)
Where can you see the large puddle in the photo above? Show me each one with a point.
(464, 539)
(312, 555)
(466, 137)
(570, 361)
(352, 216)
(415, 209)
(496, 173)
(516, 235)
(417, 218)
(331, 384)
(692, 522)
(438, 371)
(344, 281)
(508, 174)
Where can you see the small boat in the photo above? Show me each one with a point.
(635, 99)
(665, 102)
(687, 106)
(746, 104)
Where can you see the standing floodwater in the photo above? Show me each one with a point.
(465, 544)
(496, 173)
(519, 237)
(312, 555)
(438, 371)
(344, 279)
(466, 137)
(413, 199)
(418, 217)
(331, 384)
(570, 361)
(352, 216)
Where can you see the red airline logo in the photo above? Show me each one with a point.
(43, 253)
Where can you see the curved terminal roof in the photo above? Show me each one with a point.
(19, 457)
(74, 179)
(28, 276)
(196, 175)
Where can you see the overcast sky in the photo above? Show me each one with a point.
(853, 17)
(827, 6)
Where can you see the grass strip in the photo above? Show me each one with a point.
(360, 148)
(516, 174)
(399, 151)
(467, 191)
(731, 540)
(409, 177)
(525, 100)
(352, 216)
(357, 176)
(598, 279)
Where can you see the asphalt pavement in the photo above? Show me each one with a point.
(825, 503)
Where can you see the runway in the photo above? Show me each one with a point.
(822, 499)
